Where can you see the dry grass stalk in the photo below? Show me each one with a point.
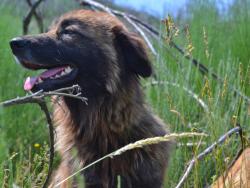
(135, 145)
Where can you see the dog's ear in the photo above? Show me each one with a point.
(134, 52)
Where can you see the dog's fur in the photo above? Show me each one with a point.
(109, 61)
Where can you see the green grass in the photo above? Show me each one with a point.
(224, 49)
(20, 126)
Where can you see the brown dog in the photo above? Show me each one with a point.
(97, 52)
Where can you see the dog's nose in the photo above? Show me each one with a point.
(18, 43)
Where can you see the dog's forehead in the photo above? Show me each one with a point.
(88, 18)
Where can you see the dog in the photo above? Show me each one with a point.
(96, 51)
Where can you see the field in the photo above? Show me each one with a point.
(220, 40)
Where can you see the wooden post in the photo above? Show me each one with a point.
(238, 176)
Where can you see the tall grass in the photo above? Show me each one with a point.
(22, 126)
(220, 41)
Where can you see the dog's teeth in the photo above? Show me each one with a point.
(68, 70)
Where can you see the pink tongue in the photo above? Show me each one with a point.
(31, 81)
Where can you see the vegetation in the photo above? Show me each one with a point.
(220, 40)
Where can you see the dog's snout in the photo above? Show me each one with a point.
(18, 43)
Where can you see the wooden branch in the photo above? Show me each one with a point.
(44, 108)
(40, 95)
(201, 67)
(37, 16)
(28, 17)
(39, 98)
(208, 150)
(22, 100)
(137, 144)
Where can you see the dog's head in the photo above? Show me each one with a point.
(92, 49)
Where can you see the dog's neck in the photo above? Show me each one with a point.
(113, 112)
(102, 126)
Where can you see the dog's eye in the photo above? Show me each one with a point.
(68, 32)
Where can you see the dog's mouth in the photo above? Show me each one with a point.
(50, 74)
(53, 75)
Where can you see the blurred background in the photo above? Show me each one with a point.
(216, 33)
